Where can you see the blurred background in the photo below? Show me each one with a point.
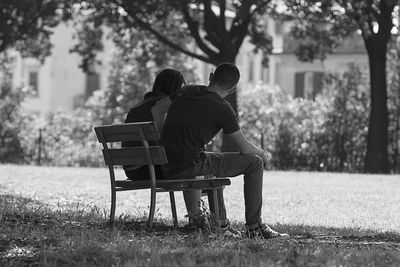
(319, 87)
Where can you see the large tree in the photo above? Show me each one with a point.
(321, 27)
(25, 24)
(216, 28)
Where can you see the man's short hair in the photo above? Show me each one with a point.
(226, 75)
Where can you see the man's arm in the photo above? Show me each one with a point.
(246, 147)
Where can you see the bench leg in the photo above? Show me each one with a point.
(113, 200)
(210, 201)
(152, 207)
(216, 207)
(173, 208)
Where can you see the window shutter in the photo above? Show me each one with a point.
(317, 82)
(33, 81)
(92, 83)
(299, 84)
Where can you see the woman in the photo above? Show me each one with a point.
(153, 108)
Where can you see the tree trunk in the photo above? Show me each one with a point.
(376, 159)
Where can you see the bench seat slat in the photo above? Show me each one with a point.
(175, 184)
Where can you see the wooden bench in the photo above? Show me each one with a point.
(145, 154)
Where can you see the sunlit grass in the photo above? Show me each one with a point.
(301, 198)
(57, 217)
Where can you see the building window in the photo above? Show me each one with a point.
(299, 84)
(317, 83)
(265, 74)
(278, 27)
(308, 84)
(33, 81)
(92, 83)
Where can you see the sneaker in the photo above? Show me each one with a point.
(228, 231)
(264, 231)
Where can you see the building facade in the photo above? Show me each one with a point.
(60, 83)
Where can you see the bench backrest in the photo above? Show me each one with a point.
(139, 132)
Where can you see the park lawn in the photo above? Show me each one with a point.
(56, 216)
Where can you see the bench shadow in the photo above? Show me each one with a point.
(349, 236)
(40, 214)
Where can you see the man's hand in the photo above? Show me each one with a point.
(266, 157)
(246, 147)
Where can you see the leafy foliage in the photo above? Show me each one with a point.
(210, 31)
(62, 139)
(323, 24)
(12, 118)
(67, 138)
(137, 60)
(217, 35)
(25, 24)
(393, 70)
(326, 134)
(285, 127)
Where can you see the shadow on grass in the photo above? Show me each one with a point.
(337, 236)
(33, 233)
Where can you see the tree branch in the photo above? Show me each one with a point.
(212, 25)
(260, 7)
(241, 23)
(385, 17)
(222, 8)
(168, 42)
(194, 29)
(159, 36)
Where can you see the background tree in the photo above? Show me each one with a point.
(321, 27)
(25, 24)
(136, 61)
(216, 29)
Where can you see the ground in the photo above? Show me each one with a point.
(334, 219)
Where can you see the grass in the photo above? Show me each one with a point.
(56, 217)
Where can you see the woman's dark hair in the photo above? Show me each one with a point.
(168, 81)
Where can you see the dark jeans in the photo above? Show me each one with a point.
(230, 165)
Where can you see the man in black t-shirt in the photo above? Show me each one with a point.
(196, 115)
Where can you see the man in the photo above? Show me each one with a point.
(196, 115)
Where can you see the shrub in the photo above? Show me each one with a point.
(285, 127)
(12, 117)
(67, 138)
(328, 133)
(393, 73)
(344, 143)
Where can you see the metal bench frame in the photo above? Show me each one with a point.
(150, 156)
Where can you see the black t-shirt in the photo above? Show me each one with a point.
(142, 111)
(194, 118)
